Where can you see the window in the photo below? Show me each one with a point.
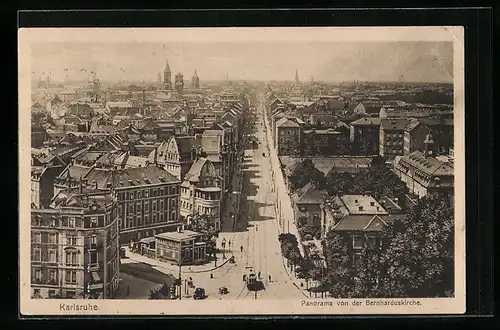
(37, 274)
(71, 240)
(38, 237)
(71, 258)
(37, 254)
(93, 258)
(93, 239)
(72, 222)
(52, 238)
(53, 222)
(93, 221)
(70, 276)
(357, 242)
(139, 194)
(52, 276)
(52, 255)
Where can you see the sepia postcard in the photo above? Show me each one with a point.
(242, 171)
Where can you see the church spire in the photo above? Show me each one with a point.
(167, 67)
(297, 77)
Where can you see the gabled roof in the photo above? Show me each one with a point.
(74, 171)
(193, 174)
(412, 125)
(286, 122)
(309, 195)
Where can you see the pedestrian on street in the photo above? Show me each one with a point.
(269, 278)
(258, 274)
(128, 291)
(241, 248)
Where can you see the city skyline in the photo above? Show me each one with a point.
(420, 62)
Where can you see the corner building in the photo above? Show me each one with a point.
(74, 248)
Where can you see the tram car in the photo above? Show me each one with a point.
(251, 280)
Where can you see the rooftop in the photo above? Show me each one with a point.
(367, 121)
(179, 236)
(362, 204)
(429, 165)
(394, 124)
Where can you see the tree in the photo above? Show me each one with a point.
(308, 229)
(161, 292)
(304, 173)
(419, 259)
(339, 277)
(368, 273)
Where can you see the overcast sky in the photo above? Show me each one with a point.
(326, 61)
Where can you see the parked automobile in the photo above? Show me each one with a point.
(199, 293)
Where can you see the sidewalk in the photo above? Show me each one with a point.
(188, 269)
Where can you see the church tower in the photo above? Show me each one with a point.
(297, 81)
(179, 82)
(167, 77)
(195, 81)
(428, 146)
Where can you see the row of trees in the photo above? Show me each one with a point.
(290, 248)
(378, 180)
(415, 259)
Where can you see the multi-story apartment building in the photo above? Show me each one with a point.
(392, 138)
(289, 136)
(201, 192)
(148, 202)
(218, 152)
(365, 135)
(325, 142)
(177, 155)
(414, 135)
(147, 197)
(74, 247)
